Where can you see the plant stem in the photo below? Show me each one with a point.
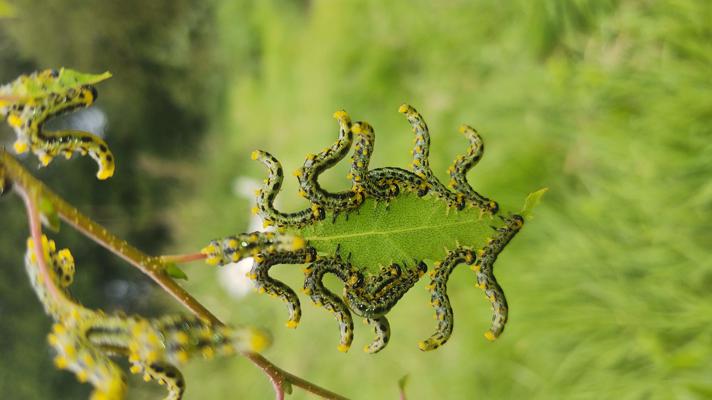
(182, 258)
(38, 247)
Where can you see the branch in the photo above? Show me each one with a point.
(31, 190)
(35, 224)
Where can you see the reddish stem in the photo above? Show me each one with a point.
(183, 258)
(36, 233)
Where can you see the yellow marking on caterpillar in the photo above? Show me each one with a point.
(298, 243)
(259, 342)
(208, 353)
(52, 339)
(182, 356)
(14, 120)
(82, 376)
(61, 362)
(341, 115)
(105, 172)
(45, 159)
(20, 147)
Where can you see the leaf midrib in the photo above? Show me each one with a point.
(391, 232)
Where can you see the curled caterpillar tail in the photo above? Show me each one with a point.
(484, 268)
(315, 164)
(266, 284)
(68, 142)
(383, 334)
(321, 296)
(439, 298)
(265, 197)
(462, 164)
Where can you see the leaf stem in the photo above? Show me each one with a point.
(182, 258)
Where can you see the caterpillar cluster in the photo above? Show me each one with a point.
(370, 295)
(31, 100)
(84, 339)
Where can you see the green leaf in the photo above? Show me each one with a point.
(42, 86)
(175, 272)
(287, 387)
(402, 382)
(409, 228)
(533, 199)
(48, 214)
(71, 78)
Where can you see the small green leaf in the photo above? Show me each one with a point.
(68, 79)
(174, 272)
(71, 78)
(48, 214)
(403, 381)
(287, 386)
(532, 201)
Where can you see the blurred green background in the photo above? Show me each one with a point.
(607, 103)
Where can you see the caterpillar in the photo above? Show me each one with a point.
(31, 100)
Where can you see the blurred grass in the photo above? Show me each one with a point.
(607, 103)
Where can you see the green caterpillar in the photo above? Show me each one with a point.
(30, 100)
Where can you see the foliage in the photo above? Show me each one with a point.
(405, 228)
(607, 103)
(408, 228)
